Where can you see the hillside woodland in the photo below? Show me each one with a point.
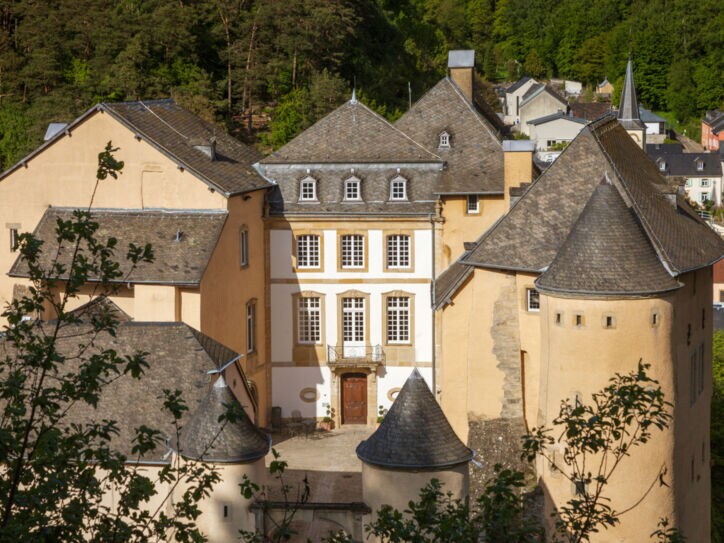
(269, 68)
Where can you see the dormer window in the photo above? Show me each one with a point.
(662, 165)
(308, 190)
(398, 189)
(699, 165)
(352, 189)
(444, 142)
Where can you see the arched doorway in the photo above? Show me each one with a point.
(354, 398)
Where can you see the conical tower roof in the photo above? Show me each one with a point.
(607, 253)
(205, 438)
(415, 433)
(628, 110)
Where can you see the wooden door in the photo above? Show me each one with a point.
(354, 399)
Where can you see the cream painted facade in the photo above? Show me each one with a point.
(308, 376)
(499, 358)
(63, 174)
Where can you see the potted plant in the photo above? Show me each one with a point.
(381, 412)
(328, 420)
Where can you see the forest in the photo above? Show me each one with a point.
(267, 69)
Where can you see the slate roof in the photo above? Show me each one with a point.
(515, 86)
(179, 357)
(175, 132)
(606, 253)
(647, 116)
(628, 110)
(555, 117)
(99, 306)
(715, 119)
(205, 438)
(537, 89)
(450, 280)
(660, 149)
(590, 110)
(685, 164)
(176, 262)
(351, 134)
(475, 158)
(530, 236)
(415, 433)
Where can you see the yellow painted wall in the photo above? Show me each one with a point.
(189, 306)
(227, 288)
(581, 360)
(461, 226)
(64, 175)
(155, 303)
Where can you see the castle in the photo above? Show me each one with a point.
(364, 249)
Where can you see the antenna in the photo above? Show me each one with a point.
(409, 96)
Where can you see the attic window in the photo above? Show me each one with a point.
(662, 165)
(352, 189)
(308, 190)
(398, 188)
(444, 140)
(699, 165)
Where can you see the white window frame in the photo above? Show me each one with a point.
(309, 320)
(308, 182)
(354, 320)
(532, 299)
(398, 320)
(395, 194)
(472, 204)
(251, 327)
(349, 184)
(704, 197)
(352, 251)
(705, 183)
(689, 183)
(243, 247)
(444, 140)
(308, 251)
(398, 251)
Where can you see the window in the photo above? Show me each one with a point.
(251, 327)
(398, 319)
(699, 165)
(352, 190)
(473, 204)
(353, 319)
(689, 182)
(559, 318)
(308, 190)
(309, 320)
(398, 189)
(243, 247)
(444, 140)
(398, 251)
(13, 240)
(579, 320)
(353, 251)
(533, 299)
(654, 319)
(704, 197)
(308, 251)
(609, 321)
(662, 166)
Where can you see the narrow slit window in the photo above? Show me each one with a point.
(250, 327)
(14, 240)
(559, 318)
(244, 248)
(579, 320)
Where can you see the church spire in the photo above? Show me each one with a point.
(628, 109)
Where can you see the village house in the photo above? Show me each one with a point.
(541, 100)
(552, 133)
(712, 130)
(604, 89)
(513, 97)
(186, 187)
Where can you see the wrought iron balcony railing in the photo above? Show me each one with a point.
(355, 355)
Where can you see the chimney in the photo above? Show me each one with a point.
(461, 69)
(517, 166)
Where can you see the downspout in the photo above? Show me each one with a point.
(432, 308)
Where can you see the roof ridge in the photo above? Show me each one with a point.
(471, 106)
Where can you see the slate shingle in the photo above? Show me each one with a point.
(179, 262)
(415, 433)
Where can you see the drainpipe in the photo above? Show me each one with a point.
(432, 309)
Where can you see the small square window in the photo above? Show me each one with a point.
(609, 321)
(533, 299)
(473, 204)
(559, 319)
(308, 190)
(352, 189)
(398, 189)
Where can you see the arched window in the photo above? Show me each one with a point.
(353, 189)
(398, 188)
(308, 190)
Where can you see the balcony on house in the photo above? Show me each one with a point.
(355, 356)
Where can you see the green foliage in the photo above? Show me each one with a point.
(57, 472)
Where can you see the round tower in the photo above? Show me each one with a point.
(414, 444)
(608, 301)
(234, 449)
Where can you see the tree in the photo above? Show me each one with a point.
(56, 470)
(533, 64)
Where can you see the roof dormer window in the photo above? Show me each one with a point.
(308, 190)
(699, 165)
(662, 165)
(398, 189)
(444, 142)
(353, 189)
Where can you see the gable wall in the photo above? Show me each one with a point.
(540, 106)
(64, 175)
